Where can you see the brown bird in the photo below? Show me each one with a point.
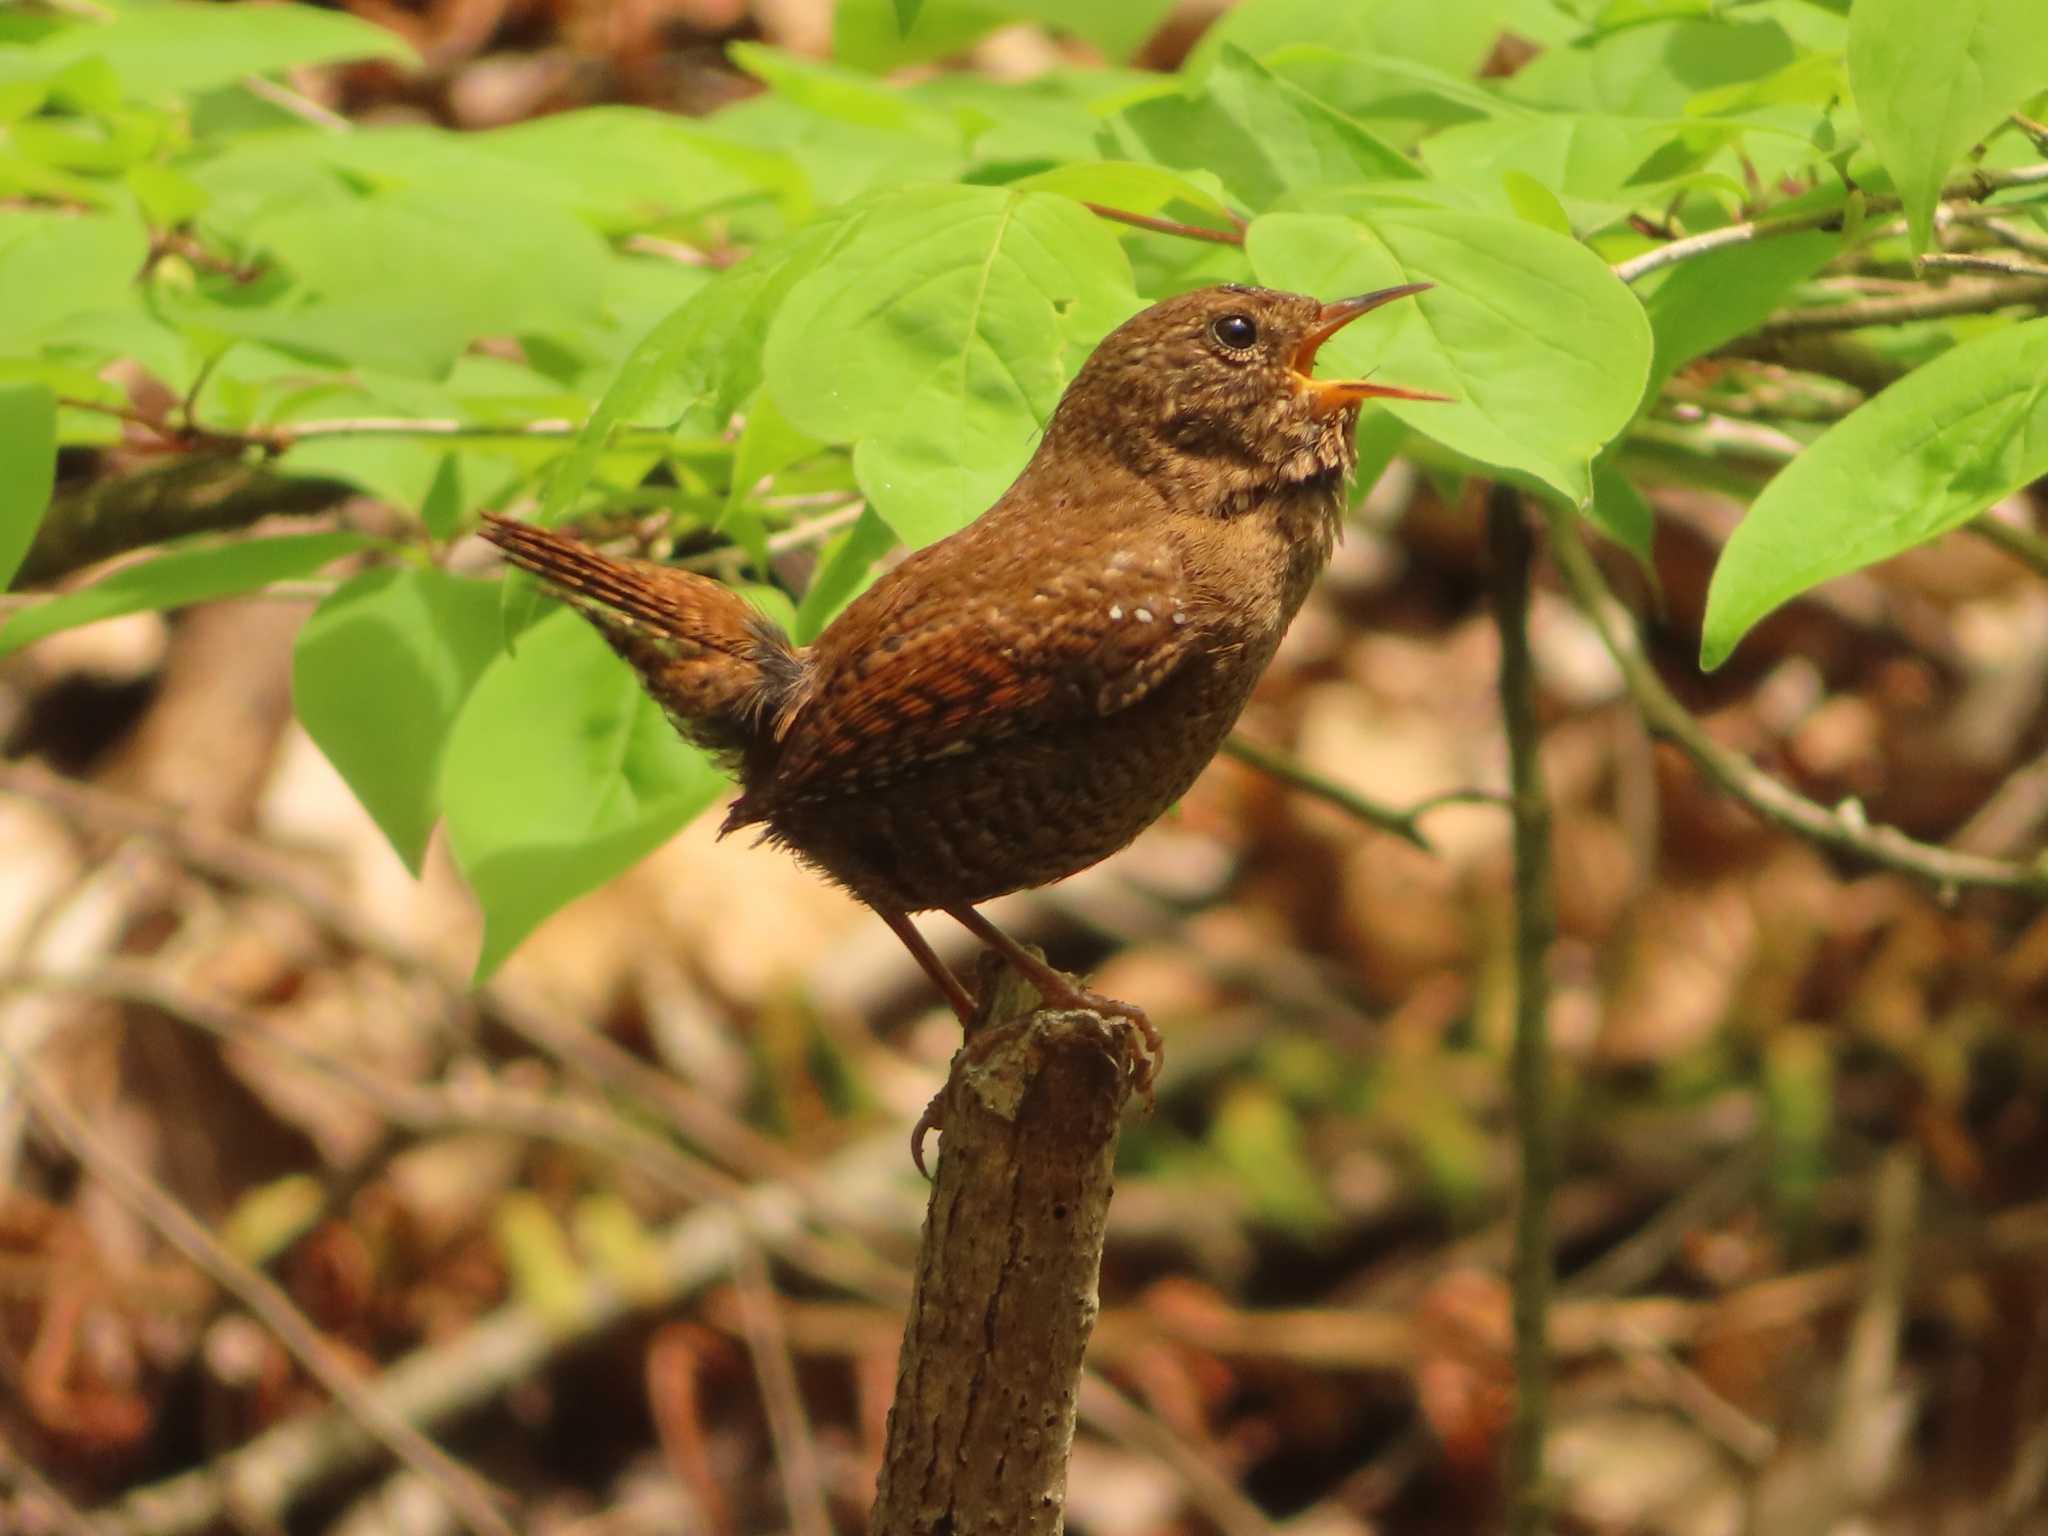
(1018, 701)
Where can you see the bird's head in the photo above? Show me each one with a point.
(1225, 375)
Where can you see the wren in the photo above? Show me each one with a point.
(1019, 700)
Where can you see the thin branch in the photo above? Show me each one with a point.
(1908, 309)
(2023, 544)
(1401, 823)
(1694, 246)
(2017, 236)
(1512, 551)
(463, 1491)
(1165, 226)
(1973, 188)
(1977, 261)
(300, 105)
(1845, 829)
(796, 1449)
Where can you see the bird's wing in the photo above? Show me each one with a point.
(978, 644)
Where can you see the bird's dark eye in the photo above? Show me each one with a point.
(1236, 332)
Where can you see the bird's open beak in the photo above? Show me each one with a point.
(1329, 395)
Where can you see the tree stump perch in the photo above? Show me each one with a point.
(1005, 1294)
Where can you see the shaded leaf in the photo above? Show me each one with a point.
(559, 774)
(190, 575)
(28, 469)
(378, 674)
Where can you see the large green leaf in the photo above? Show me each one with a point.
(176, 48)
(54, 267)
(1262, 135)
(433, 271)
(191, 575)
(1543, 350)
(1925, 456)
(559, 774)
(28, 468)
(378, 674)
(938, 339)
(1932, 77)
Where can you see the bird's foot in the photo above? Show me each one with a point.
(976, 1047)
(1149, 1047)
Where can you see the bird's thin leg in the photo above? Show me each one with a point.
(1060, 990)
(941, 973)
(934, 1116)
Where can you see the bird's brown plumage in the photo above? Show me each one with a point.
(1019, 700)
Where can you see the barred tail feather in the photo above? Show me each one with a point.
(722, 670)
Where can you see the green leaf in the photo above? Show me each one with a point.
(413, 275)
(873, 35)
(1651, 70)
(441, 507)
(1542, 348)
(1598, 168)
(378, 674)
(627, 168)
(1709, 301)
(906, 14)
(54, 267)
(559, 774)
(768, 444)
(192, 575)
(178, 49)
(1451, 35)
(1923, 457)
(1932, 77)
(1130, 185)
(28, 469)
(1263, 135)
(843, 572)
(938, 340)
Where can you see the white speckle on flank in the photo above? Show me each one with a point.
(1143, 615)
(1116, 610)
(1179, 619)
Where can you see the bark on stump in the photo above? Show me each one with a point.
(1005, 1294)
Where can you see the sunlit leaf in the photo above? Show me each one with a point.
(1932, 77)
(1923, 457)
(938, 339)
(1543, 351)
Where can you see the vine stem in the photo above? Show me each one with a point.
(1511, 551)
(1844, 829)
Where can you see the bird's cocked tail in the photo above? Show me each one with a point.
(724, 672)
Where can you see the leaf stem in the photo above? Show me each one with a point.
(1165, 226)
(1401, 823)
(1845, 829)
